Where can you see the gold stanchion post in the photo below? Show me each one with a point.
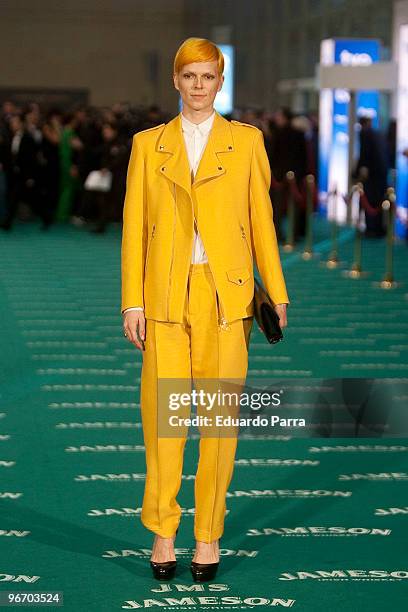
(389, 206)
(333, 260)
(356, 270)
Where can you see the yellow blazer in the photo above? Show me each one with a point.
(229, 199)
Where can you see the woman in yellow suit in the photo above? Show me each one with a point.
(197, 216)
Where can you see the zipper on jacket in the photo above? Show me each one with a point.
(243, 234)
(150, 242)
(172, 253)
(222, 321)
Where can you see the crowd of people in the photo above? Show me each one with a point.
(47, 154)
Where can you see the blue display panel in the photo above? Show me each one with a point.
(224, 100)
(333, 136)
(402, 134)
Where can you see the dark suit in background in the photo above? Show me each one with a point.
(373, 157)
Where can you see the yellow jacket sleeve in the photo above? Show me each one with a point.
(134, 233)
(263, 234)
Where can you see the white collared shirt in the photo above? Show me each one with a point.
(196, 137)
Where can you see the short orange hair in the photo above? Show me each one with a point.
(198, 50)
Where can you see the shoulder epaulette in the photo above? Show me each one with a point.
(241, 123)
(150, 129)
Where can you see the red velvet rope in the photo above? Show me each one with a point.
(371, 210)
(299, 194)
(367, 206)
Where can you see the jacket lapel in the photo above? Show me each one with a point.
(176, 167)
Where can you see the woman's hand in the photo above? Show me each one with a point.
(133, 320)
(281, 310)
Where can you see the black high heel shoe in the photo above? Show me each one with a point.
(203, 572)
(164, 570)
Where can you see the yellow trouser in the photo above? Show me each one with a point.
(197, 348)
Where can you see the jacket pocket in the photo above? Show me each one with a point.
(238, 275)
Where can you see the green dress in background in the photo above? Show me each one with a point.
(68, 184)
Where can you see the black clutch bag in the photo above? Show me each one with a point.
(265, 315)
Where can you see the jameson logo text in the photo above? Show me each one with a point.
(359, 448)
(318, 531)
(304, 493)
(195, 595)
(21, 578)
(391, 511)
(381, 476)
(351, 574)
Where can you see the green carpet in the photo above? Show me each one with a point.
(71, 449)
